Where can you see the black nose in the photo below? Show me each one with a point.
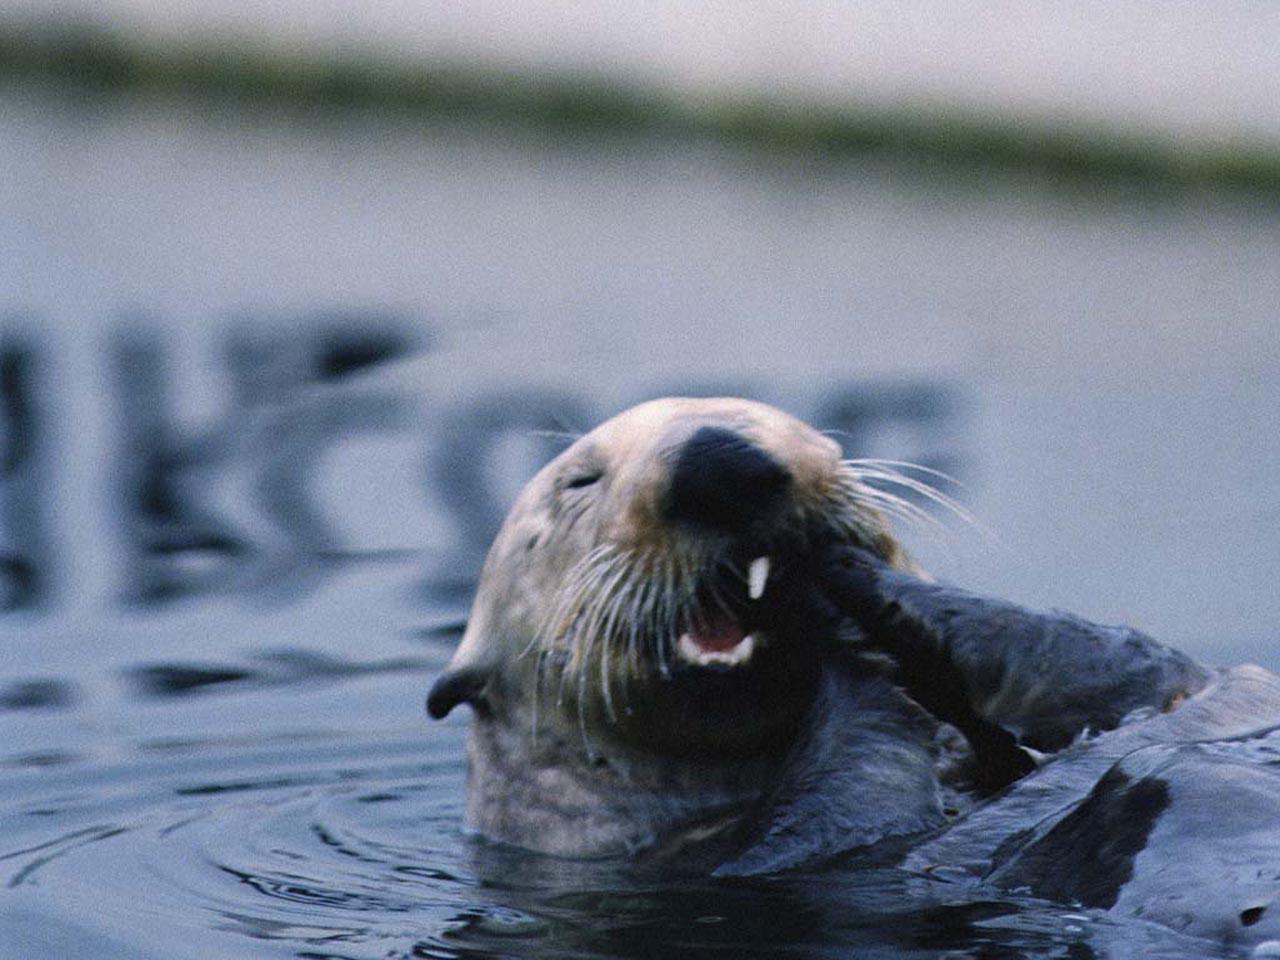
(723, 480)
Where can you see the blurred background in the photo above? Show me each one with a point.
(287, 288)
(294, 296)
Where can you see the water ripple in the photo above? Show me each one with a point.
(348, 845)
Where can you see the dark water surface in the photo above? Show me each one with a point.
(296, 805)
(267, 385)
(217, 779)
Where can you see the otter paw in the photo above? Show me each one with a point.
(850, 578)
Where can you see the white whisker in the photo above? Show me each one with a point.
(904, 465)
(866, 472)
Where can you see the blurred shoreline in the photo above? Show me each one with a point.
(82, 59)
(1168, 66)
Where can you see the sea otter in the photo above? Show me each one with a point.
(695, 640)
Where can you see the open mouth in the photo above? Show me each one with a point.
(728, 638)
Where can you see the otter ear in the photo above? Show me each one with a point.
(464, 685)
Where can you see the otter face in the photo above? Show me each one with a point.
(644, 583)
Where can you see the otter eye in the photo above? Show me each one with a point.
(583, 480)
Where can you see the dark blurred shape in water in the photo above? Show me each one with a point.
(229, 505)
(348, 344)
(290, 401)
(167, 680)
(268, 668)
(24, 547)
(36, 694)
(174, 543)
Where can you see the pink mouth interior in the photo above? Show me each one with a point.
(718, 637)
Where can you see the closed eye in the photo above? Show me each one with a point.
(583, 480)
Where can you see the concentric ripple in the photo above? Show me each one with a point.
(294, 848)
(321, 819)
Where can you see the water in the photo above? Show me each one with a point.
(270, 383)
(309, 813)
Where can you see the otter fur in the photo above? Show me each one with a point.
(696, 640)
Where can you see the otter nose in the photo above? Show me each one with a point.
(723, 480)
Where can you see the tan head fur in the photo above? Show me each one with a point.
(589, 583)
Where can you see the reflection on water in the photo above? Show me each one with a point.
(23, 545)
(237, 535)
(32, 694)
(279, 420)
(287, 405)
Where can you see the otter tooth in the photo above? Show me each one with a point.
(730, 658)
(757, 576)
(742, 652)
(688, 648)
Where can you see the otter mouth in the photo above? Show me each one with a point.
(722, 644)
(729, 638)
(723, 605)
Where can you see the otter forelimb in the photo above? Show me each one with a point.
(1002, 674)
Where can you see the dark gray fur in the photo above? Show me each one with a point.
(1171, 817)
(862, 773)
(1044, 677)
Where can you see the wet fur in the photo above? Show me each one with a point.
(588, 741)
(589, 738)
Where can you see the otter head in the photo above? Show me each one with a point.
(643, 589)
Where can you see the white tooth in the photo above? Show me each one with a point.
(741, 653)
(688, 649)
(756, 577)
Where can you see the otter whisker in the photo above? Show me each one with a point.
(620, 608)
(635, 608)
(905, 465)
(616, 596)
(885, 471)
(539, 678)
(669, 619)
(692, 603)
(602, 584)
(569, 624)
(641, 612)
(582, 713)
(659, 604)
(870, 480)
(612, 604)
(901, 508)
(914, 516)
(865, 496)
